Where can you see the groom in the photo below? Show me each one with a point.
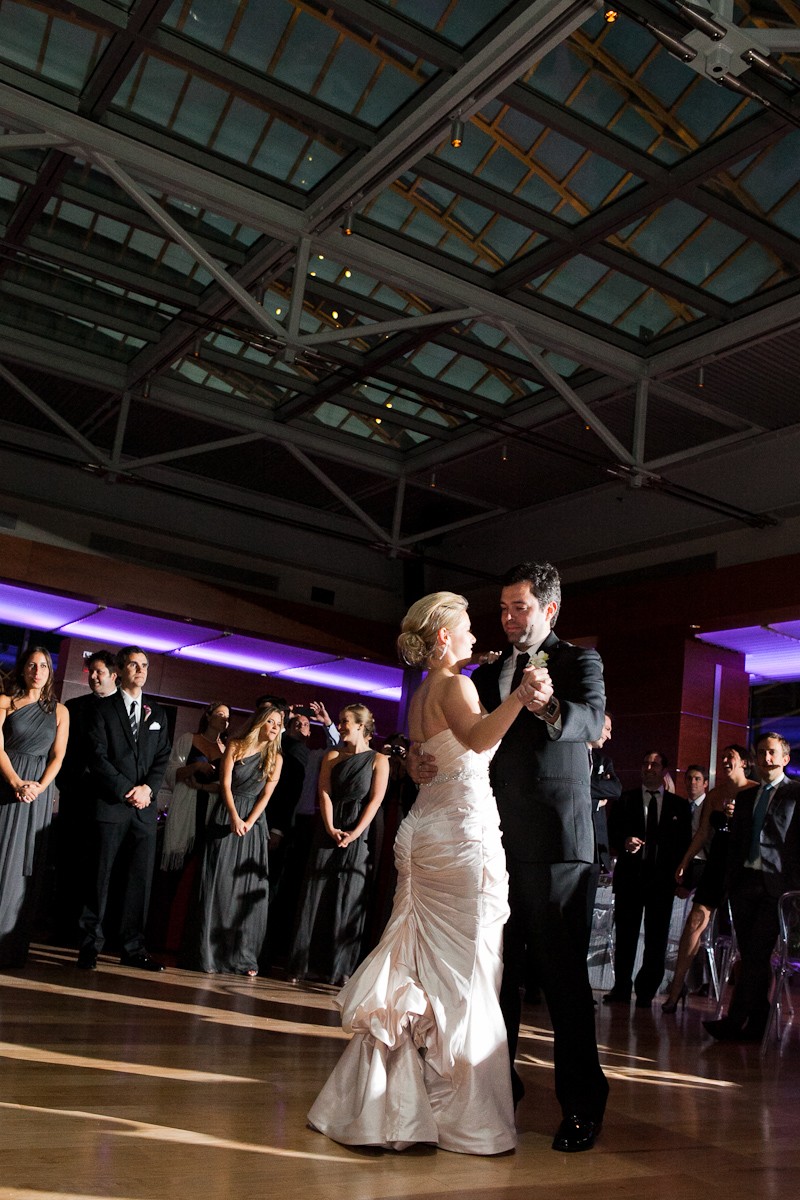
(540, 778)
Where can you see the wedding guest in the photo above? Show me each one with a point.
(711, 835)
(284, 909)
(650, 829)
(33, 737)
(234, 883)
(192, 776)
(764, 862)
(129, 747)
(73, 827)
(352, 783)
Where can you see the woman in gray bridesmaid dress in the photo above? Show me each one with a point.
(330, 927)
(234, 884)
(33, 737)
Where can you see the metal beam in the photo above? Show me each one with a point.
(95, 455)
(399, 325)
(29, 141)
(521, 42)
(413, 538)
(195, 403)
(227, 198)
(122, 424)
(640, 420)
(572, 398)
(704, 408)
(397, 515)
(151, 460)
(298, 290)
(339, 493)
(178, 234)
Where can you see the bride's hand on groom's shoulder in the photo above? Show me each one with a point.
(486, 657)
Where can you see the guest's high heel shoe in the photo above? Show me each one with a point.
(671, 1006)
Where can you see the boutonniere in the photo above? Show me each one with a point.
(539, 659)
(147, 710)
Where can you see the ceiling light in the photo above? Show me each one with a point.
(610, 16)
(701, 377)
(456, 132)
(347, 223)
(335, 315)
(347, 274)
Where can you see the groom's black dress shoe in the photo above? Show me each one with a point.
(143, 961)
(576, 1133)
(87, 958)
(615, 997)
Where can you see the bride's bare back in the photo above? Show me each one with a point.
(440, 690)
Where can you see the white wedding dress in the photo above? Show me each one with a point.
(428, 1061)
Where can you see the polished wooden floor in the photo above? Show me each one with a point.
(189, 1087)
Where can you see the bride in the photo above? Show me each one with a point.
(429, 1061)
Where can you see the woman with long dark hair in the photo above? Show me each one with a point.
(33, 738)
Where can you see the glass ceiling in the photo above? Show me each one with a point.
(606, 201)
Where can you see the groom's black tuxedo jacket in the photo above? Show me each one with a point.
(119, 761)
(540, 781)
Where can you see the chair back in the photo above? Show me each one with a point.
(789, 918)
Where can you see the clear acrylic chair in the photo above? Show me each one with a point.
(785, 964)
(726, 957)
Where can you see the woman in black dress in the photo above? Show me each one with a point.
(33, 738)
(352, 783)
(710, 892)
(234, 884)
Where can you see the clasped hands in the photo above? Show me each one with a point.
(343, 837)
(139, 796)
(536, 689)
(28, 790)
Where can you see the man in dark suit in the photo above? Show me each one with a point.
(73, 824)
(650, 831)
(540, 777)
(605, 788)
(764, 862)
(130, 749)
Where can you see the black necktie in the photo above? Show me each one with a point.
(651, 829)
(519, 667)
(134, 722)
(759, 813)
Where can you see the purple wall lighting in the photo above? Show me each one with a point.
(40, 610)
(252, 654)
(33, 609)
(772, 652)
(353, 675)
(157, 634)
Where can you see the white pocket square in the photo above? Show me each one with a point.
(154, 726)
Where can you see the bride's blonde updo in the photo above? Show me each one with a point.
(422, 622)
